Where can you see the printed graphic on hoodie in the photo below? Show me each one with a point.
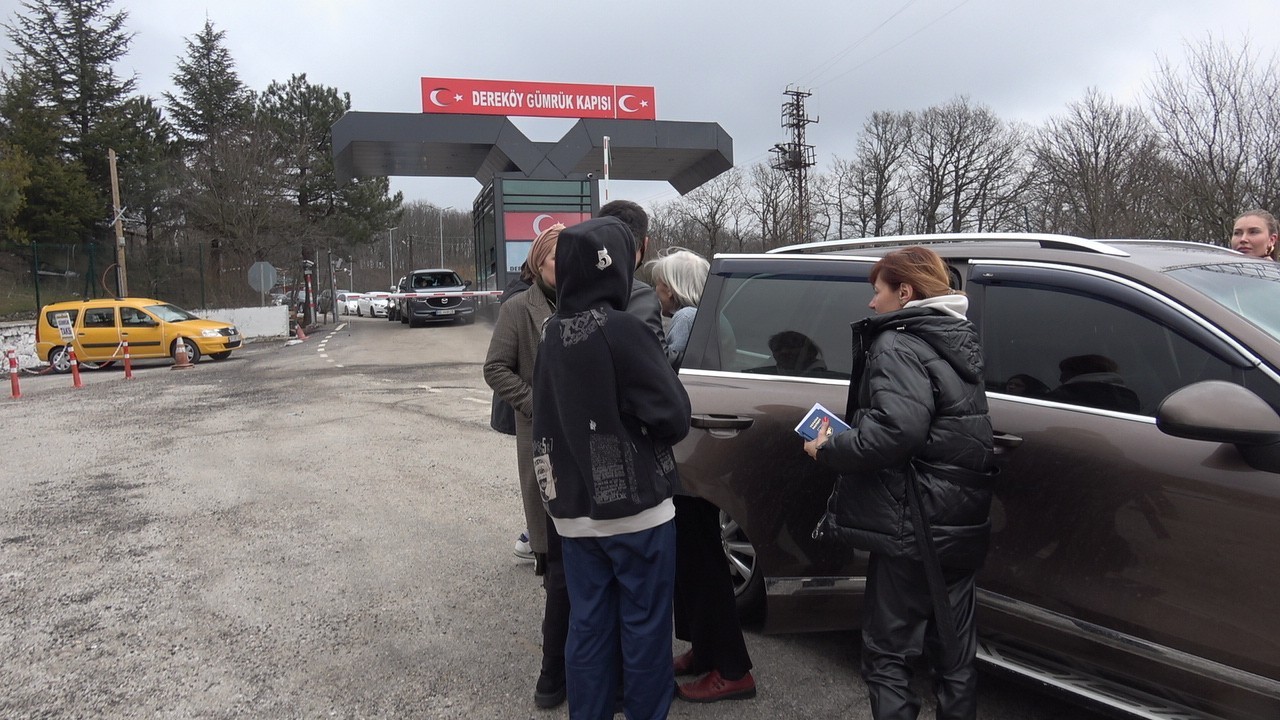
(542, 469)
(579, 327)
(612, 470)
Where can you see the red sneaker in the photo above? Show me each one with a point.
(713, 688)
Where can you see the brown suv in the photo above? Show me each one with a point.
(1134, 388)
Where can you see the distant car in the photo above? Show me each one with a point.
(348, 302)
(372, 304)
(324, 303)
(153, 329)
(393, 306)
(1134, 390)
(431, 298)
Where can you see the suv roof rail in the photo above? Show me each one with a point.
(1047, 241)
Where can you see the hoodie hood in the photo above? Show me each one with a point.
(595, 263)
(955, 339)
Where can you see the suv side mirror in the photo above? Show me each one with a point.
(466, 283)
(1218, 411)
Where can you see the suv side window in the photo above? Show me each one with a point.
(794, 325)
(100, 317)
(1086, 350)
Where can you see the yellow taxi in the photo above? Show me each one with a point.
(97, 329)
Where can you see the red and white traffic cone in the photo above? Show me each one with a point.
(301, 335)
(128, 364)
(13, 373)
(75, 368)
(181, 360)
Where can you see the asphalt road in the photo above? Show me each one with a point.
(321, 530)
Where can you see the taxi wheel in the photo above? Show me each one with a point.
(193, 352)
(97, 365)
(60, 360)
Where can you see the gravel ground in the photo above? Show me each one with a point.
(309, 531)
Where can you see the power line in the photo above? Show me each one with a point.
(817, 73)
(928, 25)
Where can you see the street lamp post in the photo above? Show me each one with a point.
(391, 254)
(440, 218)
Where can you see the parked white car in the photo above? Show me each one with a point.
(372, 304)
(348, 302)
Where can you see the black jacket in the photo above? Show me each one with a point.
(607, 406)
(920, 406)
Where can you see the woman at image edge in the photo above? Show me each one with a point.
(919, 416)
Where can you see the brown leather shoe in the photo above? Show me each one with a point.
(713, 688)
(684, 664)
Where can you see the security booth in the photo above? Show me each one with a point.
(464, 131)
(512, 212)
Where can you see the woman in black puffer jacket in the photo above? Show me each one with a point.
(919, 427)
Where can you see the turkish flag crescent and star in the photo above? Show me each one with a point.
(533, 99)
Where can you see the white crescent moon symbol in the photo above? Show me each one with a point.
(436, 100)
(537, 222)
(622, 103)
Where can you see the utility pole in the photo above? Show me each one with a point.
(122, 282)
(795, 158)
(391, 252)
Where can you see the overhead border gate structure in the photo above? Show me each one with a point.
(526, 184)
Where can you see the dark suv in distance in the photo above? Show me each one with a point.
(1134, 388)
(431, 297)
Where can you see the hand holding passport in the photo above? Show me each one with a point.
(812, 423)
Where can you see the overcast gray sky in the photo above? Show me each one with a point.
(709, 60)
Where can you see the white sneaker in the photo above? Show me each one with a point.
(523, 550)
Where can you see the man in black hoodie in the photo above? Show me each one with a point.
(608, 407)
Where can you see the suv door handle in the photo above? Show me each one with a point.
(1004, 442)
(721, 422)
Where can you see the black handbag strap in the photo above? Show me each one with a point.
(942, 614)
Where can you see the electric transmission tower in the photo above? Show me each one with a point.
(795, 158)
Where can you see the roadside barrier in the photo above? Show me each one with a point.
(75, 368)
(181, 360)
(128, 364)
(13, 373)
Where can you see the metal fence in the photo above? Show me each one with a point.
(193, 276)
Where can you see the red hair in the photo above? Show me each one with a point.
(919, 267)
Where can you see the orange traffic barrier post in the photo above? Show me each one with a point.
(181, 360)
(13, 373)
(75, 368)
(299, 332)
(128, 364)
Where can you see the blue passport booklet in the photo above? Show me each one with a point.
(808, 427)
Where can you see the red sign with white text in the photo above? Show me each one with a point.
(529, 225)
(533, 99)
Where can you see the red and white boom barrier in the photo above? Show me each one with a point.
(459, 293)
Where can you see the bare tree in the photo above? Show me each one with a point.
(878, 174)
(767, 204)
(710, 213)
(1097, 170)
(1218, 119)
(966, 168)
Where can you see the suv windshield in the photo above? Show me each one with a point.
(1248, 289)
(170, 313)
(436, 280)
